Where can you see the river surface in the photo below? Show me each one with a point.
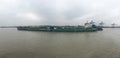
(33, 44)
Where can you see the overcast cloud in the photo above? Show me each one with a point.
(58, 12)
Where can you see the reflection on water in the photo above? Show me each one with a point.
(30, 44)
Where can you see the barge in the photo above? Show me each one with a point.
(89, 27)
(59, 28)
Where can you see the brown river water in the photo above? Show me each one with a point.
(33, 44)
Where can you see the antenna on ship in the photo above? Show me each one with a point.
(92, 22)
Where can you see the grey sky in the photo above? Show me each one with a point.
(58, 12)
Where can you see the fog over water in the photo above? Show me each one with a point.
(58, 12)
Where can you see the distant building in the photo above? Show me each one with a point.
(113, 25)
(101, 24)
